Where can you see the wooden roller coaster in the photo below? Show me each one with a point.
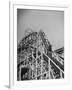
(36, 60)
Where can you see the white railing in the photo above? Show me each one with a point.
(56, 56)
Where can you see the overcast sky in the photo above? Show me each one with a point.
(51, 22)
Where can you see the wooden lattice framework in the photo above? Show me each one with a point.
(36, 60)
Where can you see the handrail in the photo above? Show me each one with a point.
(53, 62)
(57, 58)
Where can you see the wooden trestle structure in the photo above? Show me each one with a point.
(36, 60)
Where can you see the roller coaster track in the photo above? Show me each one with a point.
(55, 58)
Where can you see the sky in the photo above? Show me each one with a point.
(50, 21)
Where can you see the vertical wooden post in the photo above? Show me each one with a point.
(36, 65)
(60, 74)
(41, 64)
(49, 67)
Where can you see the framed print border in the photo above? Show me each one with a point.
(13, 44)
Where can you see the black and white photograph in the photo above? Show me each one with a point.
(40, 44)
